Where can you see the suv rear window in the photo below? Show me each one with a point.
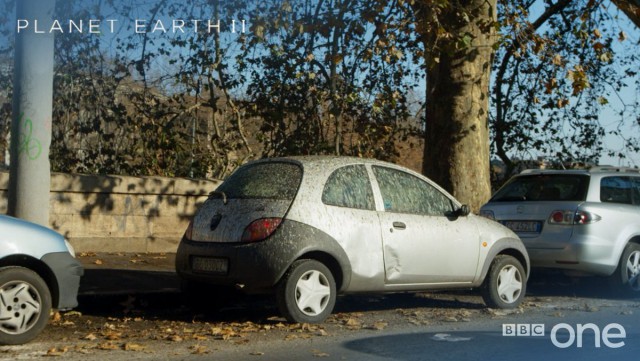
(277, 180)
(544, 187)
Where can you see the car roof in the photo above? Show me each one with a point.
(331, 160)
(589, 171)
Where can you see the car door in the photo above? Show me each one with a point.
(422, 241)
(350, 206)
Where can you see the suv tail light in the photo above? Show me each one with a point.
(573, 217)
(260, 229)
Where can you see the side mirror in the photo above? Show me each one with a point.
(464, 210)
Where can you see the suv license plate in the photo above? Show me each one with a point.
(524, 226)
(210, 265)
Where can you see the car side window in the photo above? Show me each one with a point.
(405, 193)
(349, 187)
(616, 190)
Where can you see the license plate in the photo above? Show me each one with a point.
(210, 265)
(524, 226)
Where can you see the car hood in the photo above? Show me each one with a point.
(18, 236)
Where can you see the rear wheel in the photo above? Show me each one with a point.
(307, 292)
(626, 279)
(505, 284)
(25, 305)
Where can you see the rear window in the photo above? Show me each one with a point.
(263, 180)
(544, 187)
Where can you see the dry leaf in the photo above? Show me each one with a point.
(56, 317)
(256, 353)
(98, 262)
(198, 350)
(379, 326)
(133, 347)
(90, 337)
(318, 353)
(56, 351)
(112, 336)
(353, 324)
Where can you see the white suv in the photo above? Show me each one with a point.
(579, 220)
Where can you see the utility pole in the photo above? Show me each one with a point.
(30, 176)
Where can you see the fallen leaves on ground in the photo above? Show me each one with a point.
(133, 347)
(198, 350)
(318, 353)
(57, 351)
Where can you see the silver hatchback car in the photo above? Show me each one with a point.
(585, 221)
(309, 228)
(38, 272)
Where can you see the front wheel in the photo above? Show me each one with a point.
(25, 305)
(307, 292)
(505, 284)
(626, 279)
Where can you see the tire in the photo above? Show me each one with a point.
(625, 281)
(25, 305)
(505, 284)
(307, 292)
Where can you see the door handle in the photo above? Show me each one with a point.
(399, 225)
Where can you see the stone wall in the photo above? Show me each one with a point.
(120, 214)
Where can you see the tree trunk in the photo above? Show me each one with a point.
(456, 153)
(630, 8)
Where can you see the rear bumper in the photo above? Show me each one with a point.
(252, 268)
(586, 254)
(67, 272)
(258, 267)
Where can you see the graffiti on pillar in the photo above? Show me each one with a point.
(29, 145)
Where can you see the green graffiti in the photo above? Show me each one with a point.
(28, 145)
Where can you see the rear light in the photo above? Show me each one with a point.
(586, 218)
(573, 217)
(188, 234)
(260, 229)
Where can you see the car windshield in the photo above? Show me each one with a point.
(544, 187)
(277, 180)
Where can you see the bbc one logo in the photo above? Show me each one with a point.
(575, 335)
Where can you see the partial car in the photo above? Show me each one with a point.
(579, 221)
(310, 228)
(38, 272)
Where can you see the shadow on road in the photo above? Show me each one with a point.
(155, 294)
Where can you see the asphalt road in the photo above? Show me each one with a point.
(130, 309)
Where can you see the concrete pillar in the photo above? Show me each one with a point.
(30, 177)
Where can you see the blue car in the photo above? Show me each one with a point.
(38, 272)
